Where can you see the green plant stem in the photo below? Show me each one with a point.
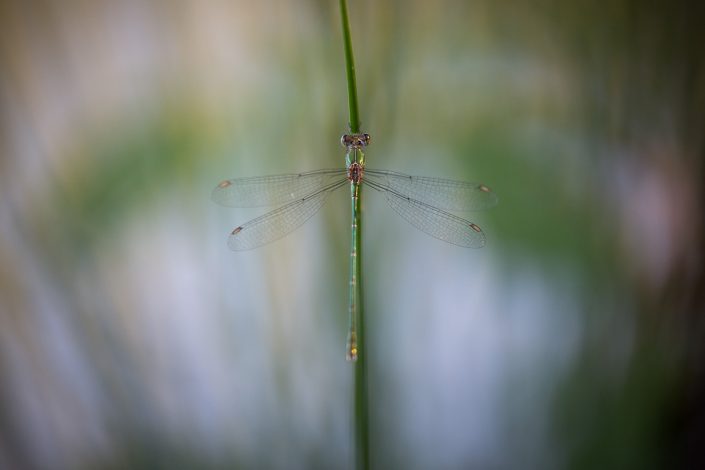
(361, 412)
(360, 406)
(350, 69)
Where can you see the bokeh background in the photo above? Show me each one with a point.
(131, 337)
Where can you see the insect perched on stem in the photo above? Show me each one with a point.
(425, 202)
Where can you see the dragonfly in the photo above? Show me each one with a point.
(427, 203)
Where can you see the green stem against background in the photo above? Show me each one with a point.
(361, 414)
(350, 69)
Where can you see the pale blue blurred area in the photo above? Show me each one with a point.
(131, 337)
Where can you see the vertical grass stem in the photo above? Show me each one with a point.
(360, 392)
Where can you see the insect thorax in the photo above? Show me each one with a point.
(355, 172)
(354, 143)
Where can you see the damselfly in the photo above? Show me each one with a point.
(425, 202)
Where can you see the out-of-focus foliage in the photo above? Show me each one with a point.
(130, 337)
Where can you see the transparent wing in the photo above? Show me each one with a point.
(261, 191)
(279, 222)
(445, 194)
(433, 221)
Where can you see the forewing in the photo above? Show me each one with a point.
(449, 195)
(272, 190)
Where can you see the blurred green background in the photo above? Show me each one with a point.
(131, 337)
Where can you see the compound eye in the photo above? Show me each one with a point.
(345, 140)
(366, 138)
